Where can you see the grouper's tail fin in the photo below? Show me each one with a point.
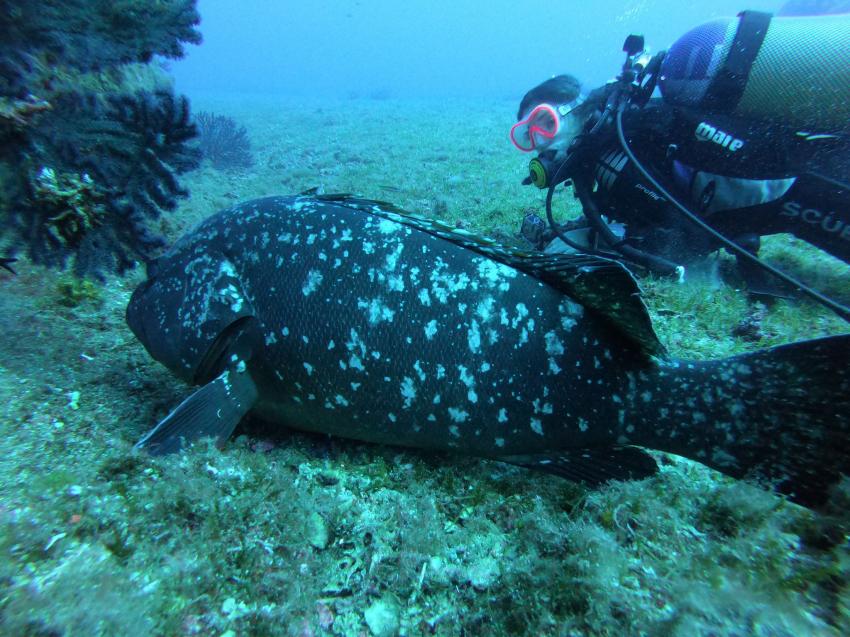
(780, 415)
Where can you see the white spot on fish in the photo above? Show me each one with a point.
(485, 309)
(309, 368)
(395, 283)
(465, 377)
(473, 337)
(554, 346)
(376, 311)
(392, 257)
(458, 415)
(537, 426)
(503, 415)
(469, 381)
(417, 366)
(546, 408)
(430, 329)
(495, 274)
(311, 283)
(570, 312)
(521, 314)
(385, 226)
(408, 391)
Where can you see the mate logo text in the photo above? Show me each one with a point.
(705, 132)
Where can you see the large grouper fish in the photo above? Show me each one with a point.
(340, 315)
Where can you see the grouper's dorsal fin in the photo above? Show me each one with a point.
(602, 285)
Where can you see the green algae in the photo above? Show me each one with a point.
(290, 534)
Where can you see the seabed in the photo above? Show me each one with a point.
(282, 533)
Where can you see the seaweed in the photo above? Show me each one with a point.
(88, 154)
(224, 142)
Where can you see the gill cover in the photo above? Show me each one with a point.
(191, 313)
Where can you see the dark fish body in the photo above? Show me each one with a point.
(349, 317)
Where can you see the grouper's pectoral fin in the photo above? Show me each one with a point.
(591, 466)
(212, 411)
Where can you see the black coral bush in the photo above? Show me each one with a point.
(223, 142)
(88, 155)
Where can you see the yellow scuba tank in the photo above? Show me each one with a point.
(789, 70)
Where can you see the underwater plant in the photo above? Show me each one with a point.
(92, 137)
(224, 142)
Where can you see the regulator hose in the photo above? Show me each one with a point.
(838, 308)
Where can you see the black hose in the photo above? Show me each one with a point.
(840, 310)
(556, 179)
(625, 252)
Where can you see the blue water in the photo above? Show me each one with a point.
(425, 48)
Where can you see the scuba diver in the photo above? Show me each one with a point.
(750, 136)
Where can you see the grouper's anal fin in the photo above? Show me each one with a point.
(604, 286)
(212, 411)
(591, 467)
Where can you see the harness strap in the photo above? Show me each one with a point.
(727, 86)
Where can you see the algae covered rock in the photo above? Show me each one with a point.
(318, 533)
(382, 617)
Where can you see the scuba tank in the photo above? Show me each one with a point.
(790, 70)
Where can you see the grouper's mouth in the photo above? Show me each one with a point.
(135, 312)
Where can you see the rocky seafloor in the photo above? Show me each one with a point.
(282, 533)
